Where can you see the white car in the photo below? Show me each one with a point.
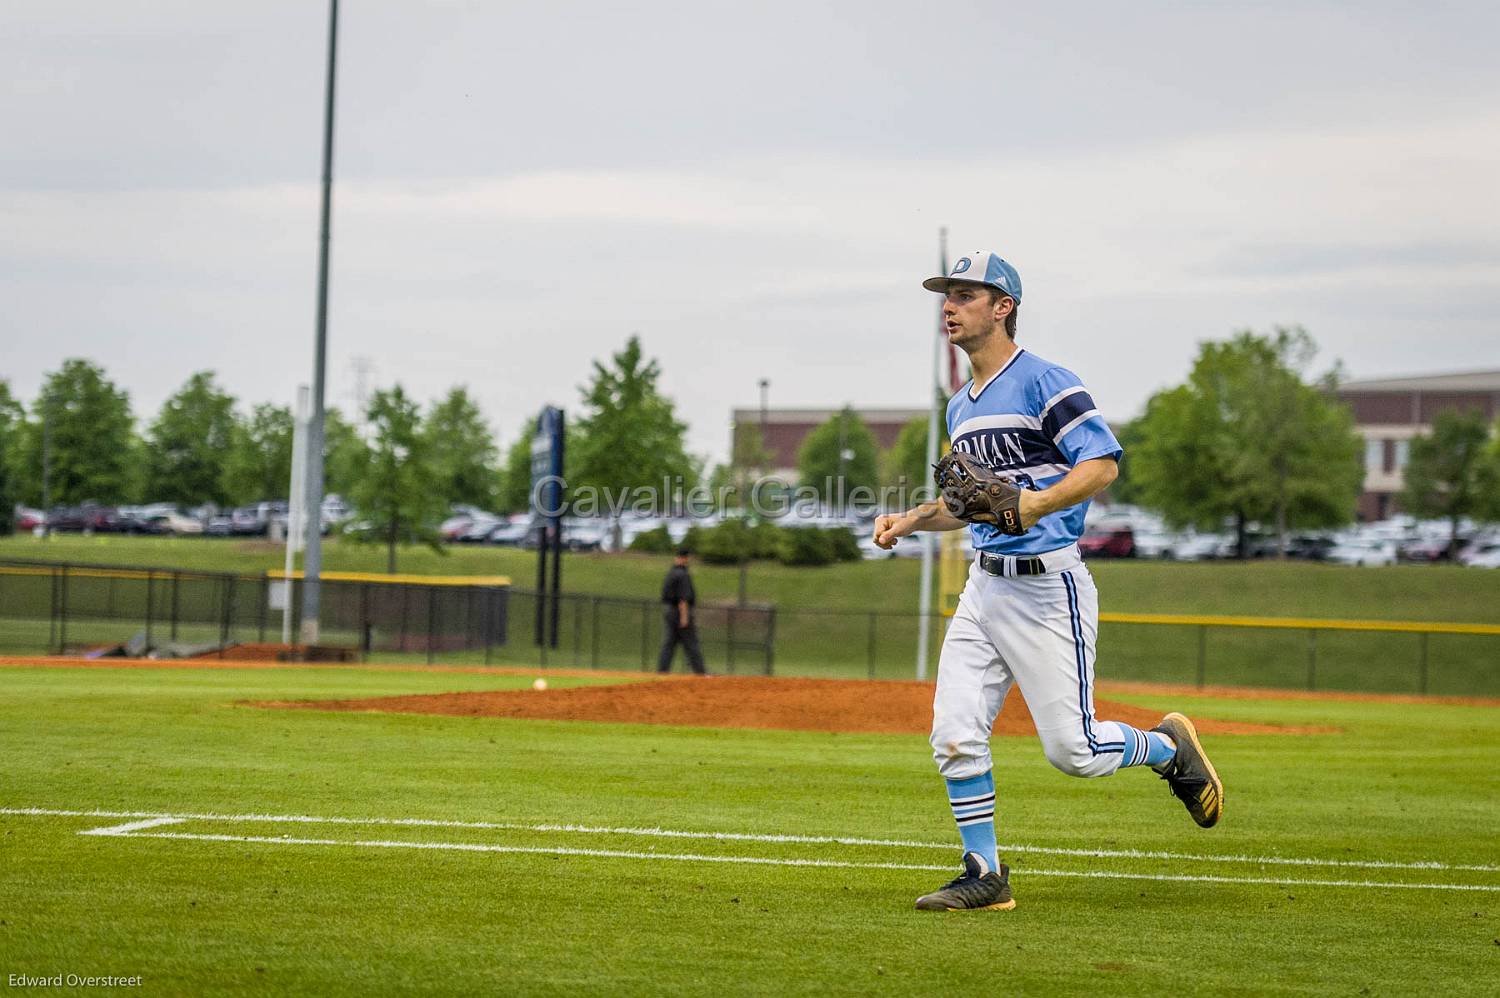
(1354, 551)
(177, 524)
(1151, 542)
(1485, 556)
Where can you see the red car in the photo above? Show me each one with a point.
(1108, 542)
(28, 520)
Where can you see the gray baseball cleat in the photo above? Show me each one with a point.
(978, 888)
(1189, 773)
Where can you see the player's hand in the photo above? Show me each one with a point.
(889, 529)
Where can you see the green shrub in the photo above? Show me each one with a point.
(654, 541)
(805, 546)
(728, 543)
(765, 540)
(845, 546)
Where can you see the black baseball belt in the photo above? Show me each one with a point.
(996, 564)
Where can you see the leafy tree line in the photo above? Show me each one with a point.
(201, 448)
(1252, 435)
(409, 468)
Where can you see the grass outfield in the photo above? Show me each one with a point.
(312, 912)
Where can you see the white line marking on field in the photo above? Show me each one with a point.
(133, 826)
(755, 837)
(770, 861)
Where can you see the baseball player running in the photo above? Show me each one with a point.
(1029, 452)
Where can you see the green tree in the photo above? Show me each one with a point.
(749, 458)
(462, 451)
(344, 455)
(629, 436)
(515, 478)
(1451, 472)
(259, 463)
(1125, 488)
(92, 438)
(1249, 438)
(838, 457)
(12, 485)
(905, 466)
(394, 496)
(189, 442)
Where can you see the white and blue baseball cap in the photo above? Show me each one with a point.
(982, 267)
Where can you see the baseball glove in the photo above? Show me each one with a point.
(975, 492)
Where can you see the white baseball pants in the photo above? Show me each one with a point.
(1038, 631)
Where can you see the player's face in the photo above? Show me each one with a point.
(970, 317)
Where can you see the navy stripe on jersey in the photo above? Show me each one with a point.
(1011, 447)
(1065, 411)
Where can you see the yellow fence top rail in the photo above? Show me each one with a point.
(1302, 623)
(95, 573)
(1296, 623)
(402, 580)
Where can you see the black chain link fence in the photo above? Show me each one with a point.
(95, 609)
(55, 608)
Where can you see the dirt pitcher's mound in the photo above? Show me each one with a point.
(744, 702)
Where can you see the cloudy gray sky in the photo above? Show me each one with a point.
(755, 189)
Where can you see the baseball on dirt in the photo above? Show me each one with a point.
(539, 684)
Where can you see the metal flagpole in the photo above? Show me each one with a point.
(296, 514)
(312, 565)
(929, 539)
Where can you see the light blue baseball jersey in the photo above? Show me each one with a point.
(1034, 421)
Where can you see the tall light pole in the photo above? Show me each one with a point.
(47, 465)
(312, 564)
(929, 539)
(765, 448)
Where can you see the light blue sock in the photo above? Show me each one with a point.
(1145, 748)
(973, 803)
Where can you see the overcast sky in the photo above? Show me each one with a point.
(755, 189)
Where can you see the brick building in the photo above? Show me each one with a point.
(785, 429)
(1388, 412)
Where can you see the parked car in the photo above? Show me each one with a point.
(1487, 558)
(479, 529)
(1485, 554)
(584, 534)
(174, 523)
(455, 527)
(1192, 546)
(1108, 542)
(1425, 550)
(1154, 543)
(29, 519)
(1309, 547)
(87, 518)
(1360, 551)
(254, 520)
(510, 532)
(220, 525)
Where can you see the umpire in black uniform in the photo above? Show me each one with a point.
(677, 599)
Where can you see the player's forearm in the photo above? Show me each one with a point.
(933, 516)
(1084, 482)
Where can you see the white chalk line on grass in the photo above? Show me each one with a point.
(132, 826)
(771, 861)
(1374, 864)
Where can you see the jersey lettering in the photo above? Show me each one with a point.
(998, 450)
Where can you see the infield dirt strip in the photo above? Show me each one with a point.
(834, 705)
